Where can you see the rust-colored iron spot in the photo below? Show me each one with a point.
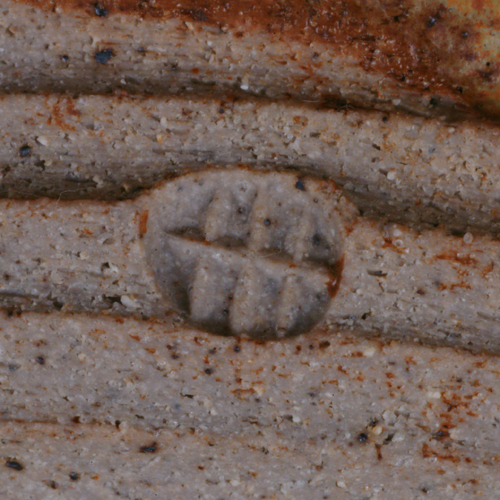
(427, 452)
(454, 257)
(388, 243)
(58, 116)
(341, 369)
(71, 108)
(487, 269)
(442, 434)
(143, 223)
(335, 274)
(456, 402)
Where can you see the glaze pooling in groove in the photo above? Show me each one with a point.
(242, 253)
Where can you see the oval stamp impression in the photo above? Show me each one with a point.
(242, 253)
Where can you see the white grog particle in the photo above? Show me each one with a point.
(42, 140)
(468, 238)
(434, 394)
(128, 302)
(398, 437)
(369, 352)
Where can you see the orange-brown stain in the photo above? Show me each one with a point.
(428, 452)
(71, 109)
(420, 46)
(335, 276)
(453, 257)
(57, 116)
(143, 223)
(341, 369)
(487, 269)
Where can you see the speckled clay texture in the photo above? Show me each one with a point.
(50, 50)
(271, 261)
(412, 170)
(201, 283)
(93, 408)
